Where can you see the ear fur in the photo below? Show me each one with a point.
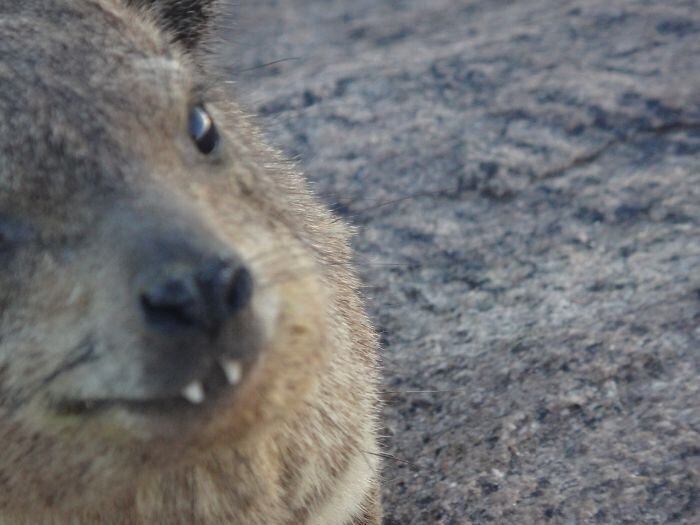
(188, 20)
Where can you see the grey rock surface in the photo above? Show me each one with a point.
(525, 179)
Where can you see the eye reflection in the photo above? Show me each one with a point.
(202, 130)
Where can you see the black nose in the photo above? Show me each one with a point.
(196, 297)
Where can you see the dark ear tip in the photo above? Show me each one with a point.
(188, 20)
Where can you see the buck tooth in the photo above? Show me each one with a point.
(232, 370)
(194, 393)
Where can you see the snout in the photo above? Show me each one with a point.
(175, 311)
(193, 301)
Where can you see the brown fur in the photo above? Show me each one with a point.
(94, 97)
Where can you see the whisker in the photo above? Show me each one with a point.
(386, 455)
(266, 64)
(440, 391)
(374, 206)
(84, 352)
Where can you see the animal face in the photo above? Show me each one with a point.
(161, 287)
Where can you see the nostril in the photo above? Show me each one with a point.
(240, 289)
(227, 285)
(204, 297)
(170, 303)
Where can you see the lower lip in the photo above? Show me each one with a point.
(215, 386)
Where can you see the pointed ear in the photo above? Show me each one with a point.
(188, 20)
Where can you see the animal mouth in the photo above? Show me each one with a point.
(223, 378)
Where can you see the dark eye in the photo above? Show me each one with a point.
(202, 130)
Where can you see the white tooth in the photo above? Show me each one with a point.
(232, 370)
(194, 393)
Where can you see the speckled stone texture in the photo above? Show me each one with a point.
(525, 179)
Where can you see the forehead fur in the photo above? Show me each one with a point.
(69, 70)
(79, 46)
